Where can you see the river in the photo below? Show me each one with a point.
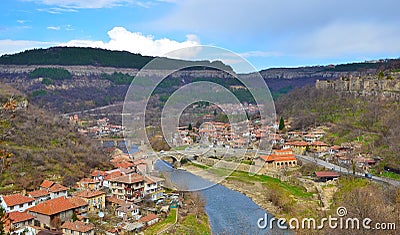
(229, 212)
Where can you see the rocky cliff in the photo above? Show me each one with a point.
(385, 87)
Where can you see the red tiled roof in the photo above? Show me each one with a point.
(129, 179)
(278, 158)
(298, 143)
(123, 164)
(16, 199)
(148, 218)
(46, 184)
(88, 181)
(112, 175)
(89, 193)
(77, 201)
(78, 226)
(326, 174)
(38, 193)
(115, 200)
(17, 216)
(57, 188)
(96, 173)
(318, 143)
(53, 206)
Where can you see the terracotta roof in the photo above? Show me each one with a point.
(46, 184)
(148, 217)
(129, 179)
(57, 188)
(123, 164)
(153, 179)
(38, 193)
(53, 206)
(89, 193)
(112, 175)
(326, 174)
(17, 216)
(115, 201)
(77, 201)
(88, 181)
(16, 199)
(318, 143)
(279, 158)
(298, 143)
(78, 226)
(96, 173)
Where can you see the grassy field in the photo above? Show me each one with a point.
(191, 225)
(163, 224)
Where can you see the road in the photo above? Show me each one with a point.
(337, 168)
(191, 151)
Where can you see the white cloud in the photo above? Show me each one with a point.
(57, 10)
(136, 42)
(54, 27)
(8, 46)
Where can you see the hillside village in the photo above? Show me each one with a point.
(121, 200)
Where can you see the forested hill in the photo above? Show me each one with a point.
(36, 145)
(95, 57)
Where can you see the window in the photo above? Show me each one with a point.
(11, 207)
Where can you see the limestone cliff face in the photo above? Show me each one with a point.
(365, 86)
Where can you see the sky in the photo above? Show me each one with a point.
(267, 33)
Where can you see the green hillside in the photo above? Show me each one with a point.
(34, 145)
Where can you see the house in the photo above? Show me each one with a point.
(277, 159)
(51, 213)
(133, 227)
(149, 219)
(16, 202)
(128, 210)
(153, 187)
(310, 137)
(77, 228)
(56, 190)
(81, 206)
(298, 147)
(18, 223)
(319, 147)
(96, 199)
(39, 195)
(128, 187)
(88, 183)
(326, 175)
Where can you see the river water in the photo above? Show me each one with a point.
(229, 212)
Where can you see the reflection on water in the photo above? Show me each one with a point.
(229, 212)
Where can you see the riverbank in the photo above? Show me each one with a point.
(280, 199)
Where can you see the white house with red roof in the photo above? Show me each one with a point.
(154, 187)
(19, 223)
(78, 228)
(56, 190)
(40, 195)
(16, 202)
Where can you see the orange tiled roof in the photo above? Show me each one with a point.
(46, 184)
(123, 164)
(38, 193)
(112, 175)
(96, 173)
(77, 201)
(78, 226)
(89, 193)
(318, 143)
(16, 199)
(88, 181)
(53, 206)
(148, 217)
(17, 216)
(129, 179)
(115, 200)
(57, 188)
(278, 158)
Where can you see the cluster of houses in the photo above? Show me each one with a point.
(56, 209)
(101, 128)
